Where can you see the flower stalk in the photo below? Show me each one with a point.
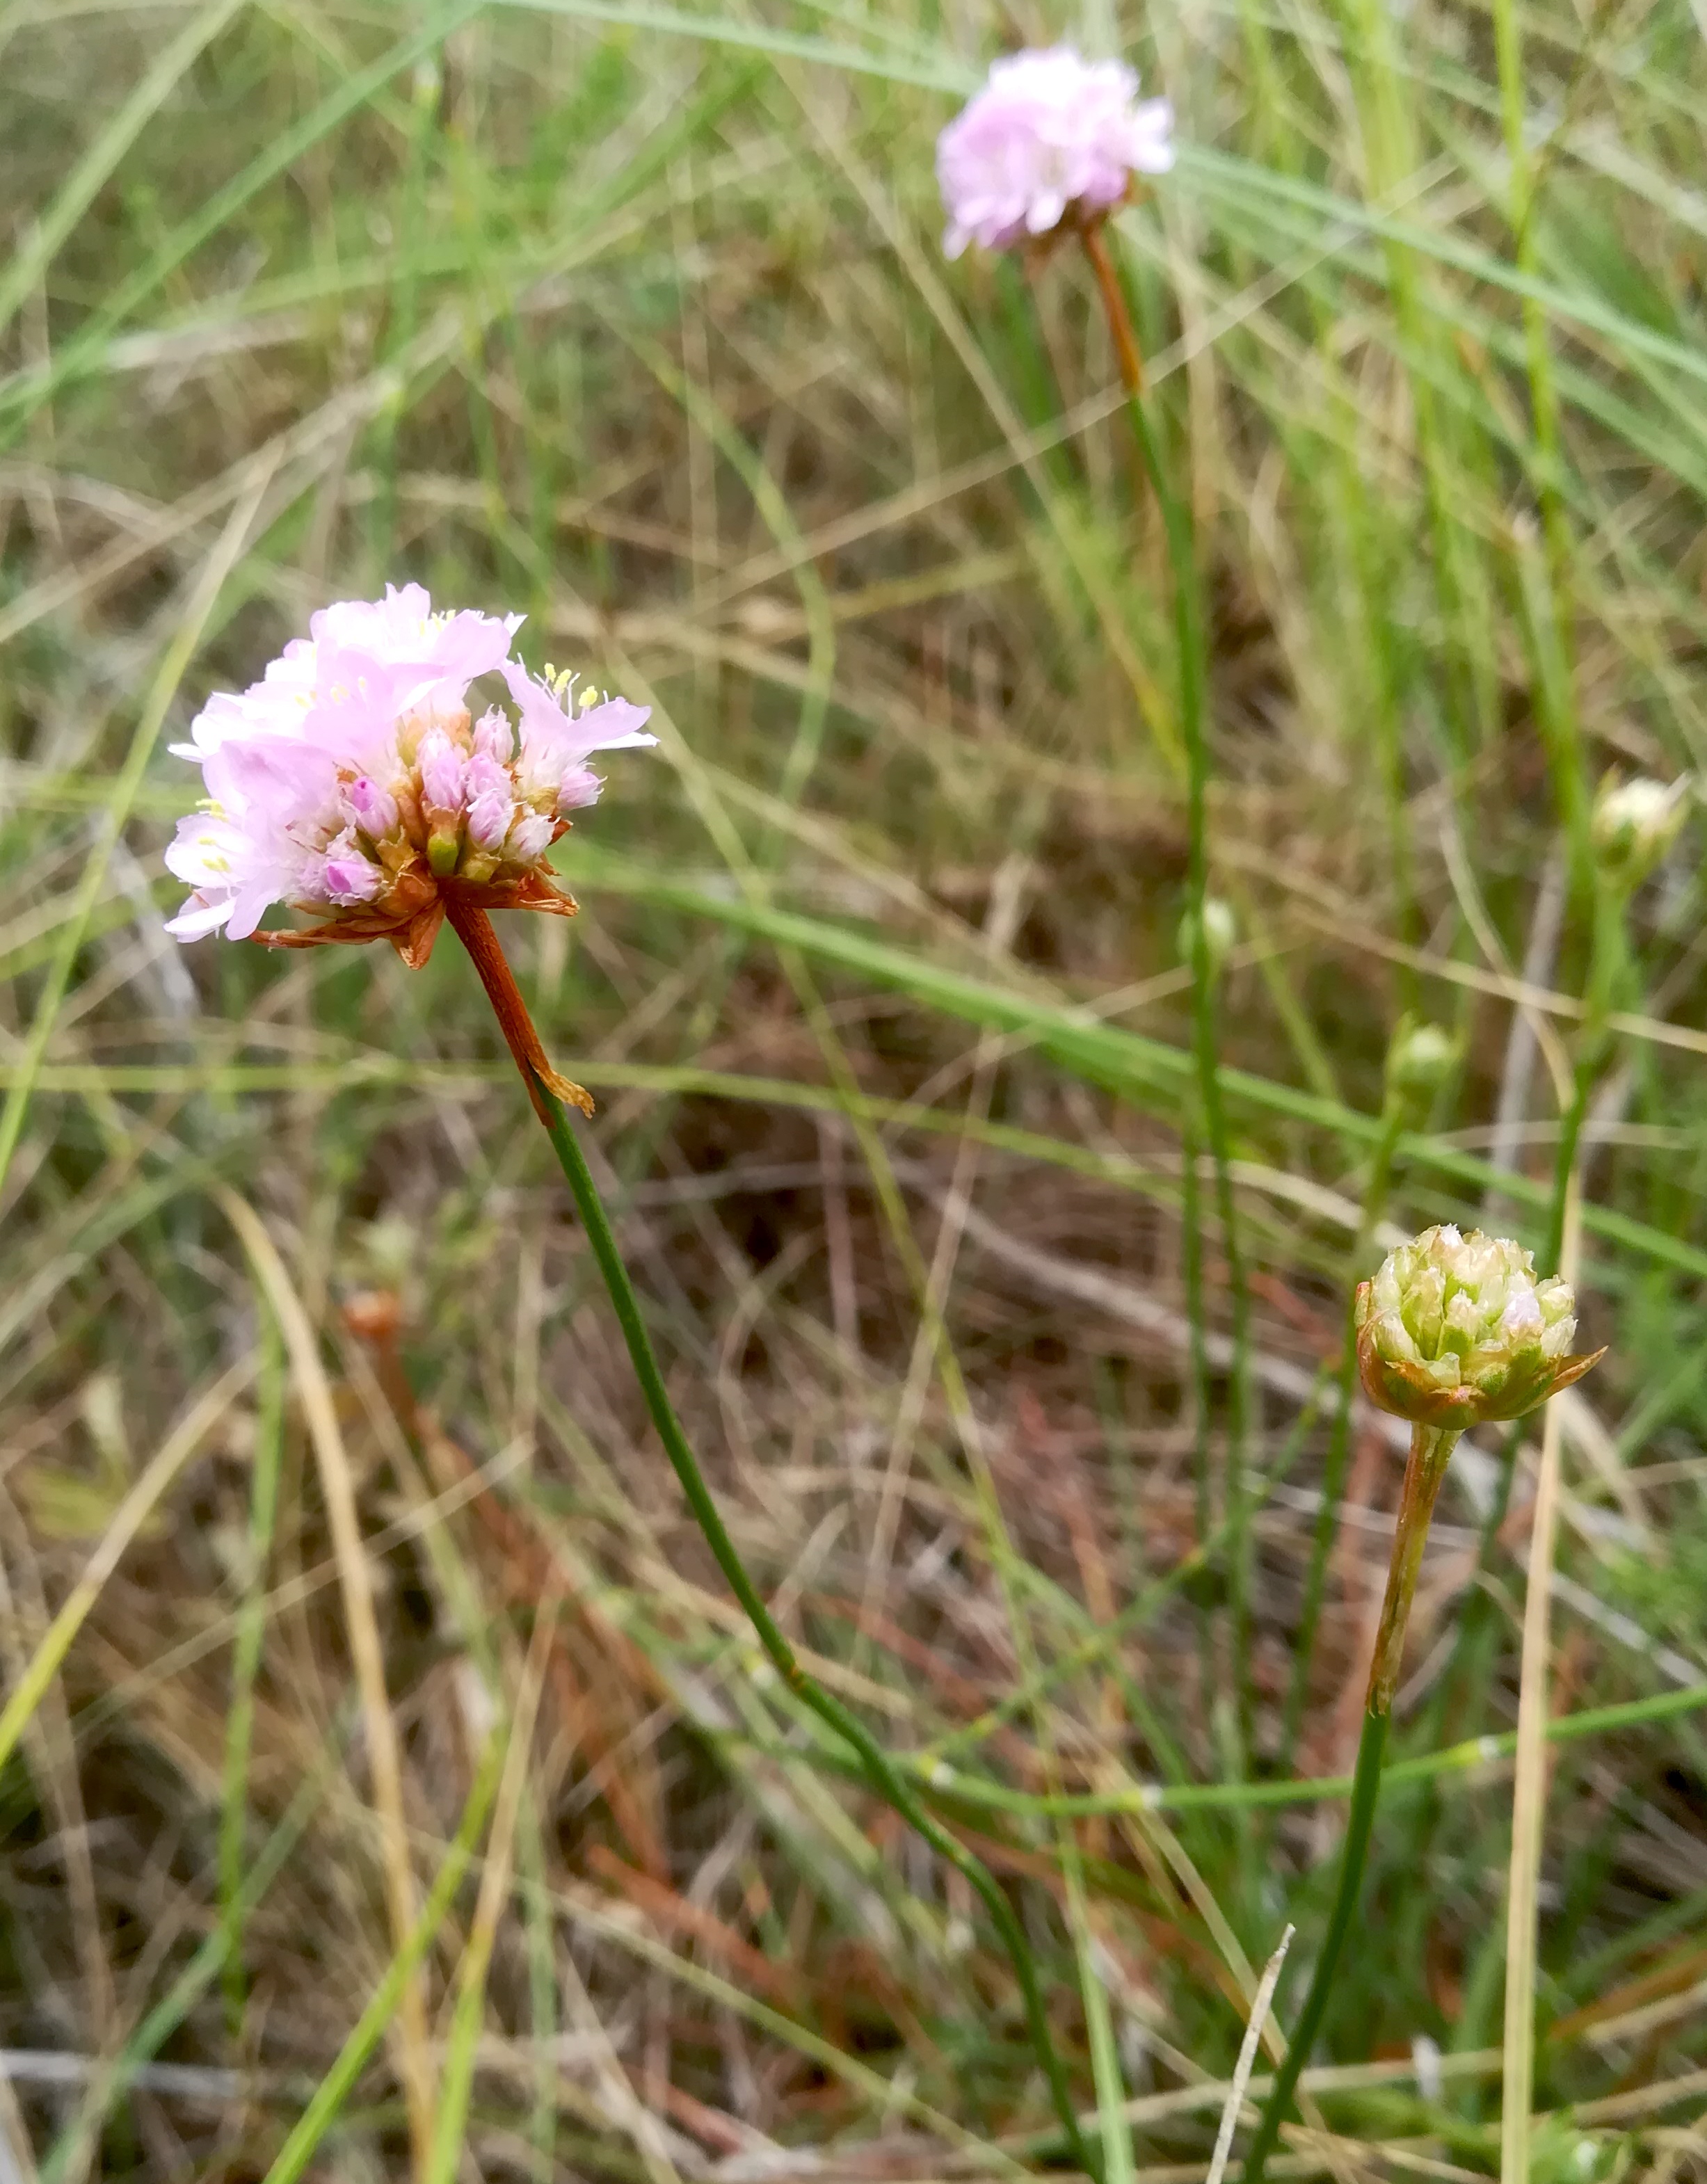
(473, 928)
(550, 1102)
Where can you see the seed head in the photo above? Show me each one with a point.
(1455, 1330)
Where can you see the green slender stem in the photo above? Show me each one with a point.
(879, 1771)
(1191, 1228)
(1430, 1448)
(1365, 1786)
(1192, 650)
(474, 929)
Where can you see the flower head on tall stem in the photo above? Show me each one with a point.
(354, 782)
(1453, 1330)
(1051, 139)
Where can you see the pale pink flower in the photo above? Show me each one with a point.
(1049, 132)
(361, 658)
(349, 781)
(560, 730)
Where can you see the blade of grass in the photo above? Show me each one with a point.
(1138, 1068)
(1247, 2059)
(952, 1787)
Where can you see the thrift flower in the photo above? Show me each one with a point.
(1455, 1331)
(351, 782)
(1049, 136)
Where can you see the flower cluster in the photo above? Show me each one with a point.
(1455, 1331)
(1050, 134)
(353, 781)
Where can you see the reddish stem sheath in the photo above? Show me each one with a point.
(1114, 305)
(473, 928)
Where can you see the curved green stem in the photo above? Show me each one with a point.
(1365, 1786)
(879, 1771)
(1431, 1447)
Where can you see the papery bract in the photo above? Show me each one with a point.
(1048, 133)
(349, 781)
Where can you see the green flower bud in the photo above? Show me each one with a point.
(1419, 1059)
(1635, 823)
(1220, 933)
(1455, 1331)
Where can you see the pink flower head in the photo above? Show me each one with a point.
(1048, 132)
(350, 782)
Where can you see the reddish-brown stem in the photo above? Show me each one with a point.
(1425, 1469)
(473, 928)
(1114, 306)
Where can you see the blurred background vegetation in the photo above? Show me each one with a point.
(635, 318)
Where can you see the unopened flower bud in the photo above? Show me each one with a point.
(1635, 823)
(371, 807)
(1419, 1059)
(443, 772)
(531, 837)
(489, 818)
(1455, 1330)
(495, 737)
(1220, 933)
(350, 877)
(580, 787)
